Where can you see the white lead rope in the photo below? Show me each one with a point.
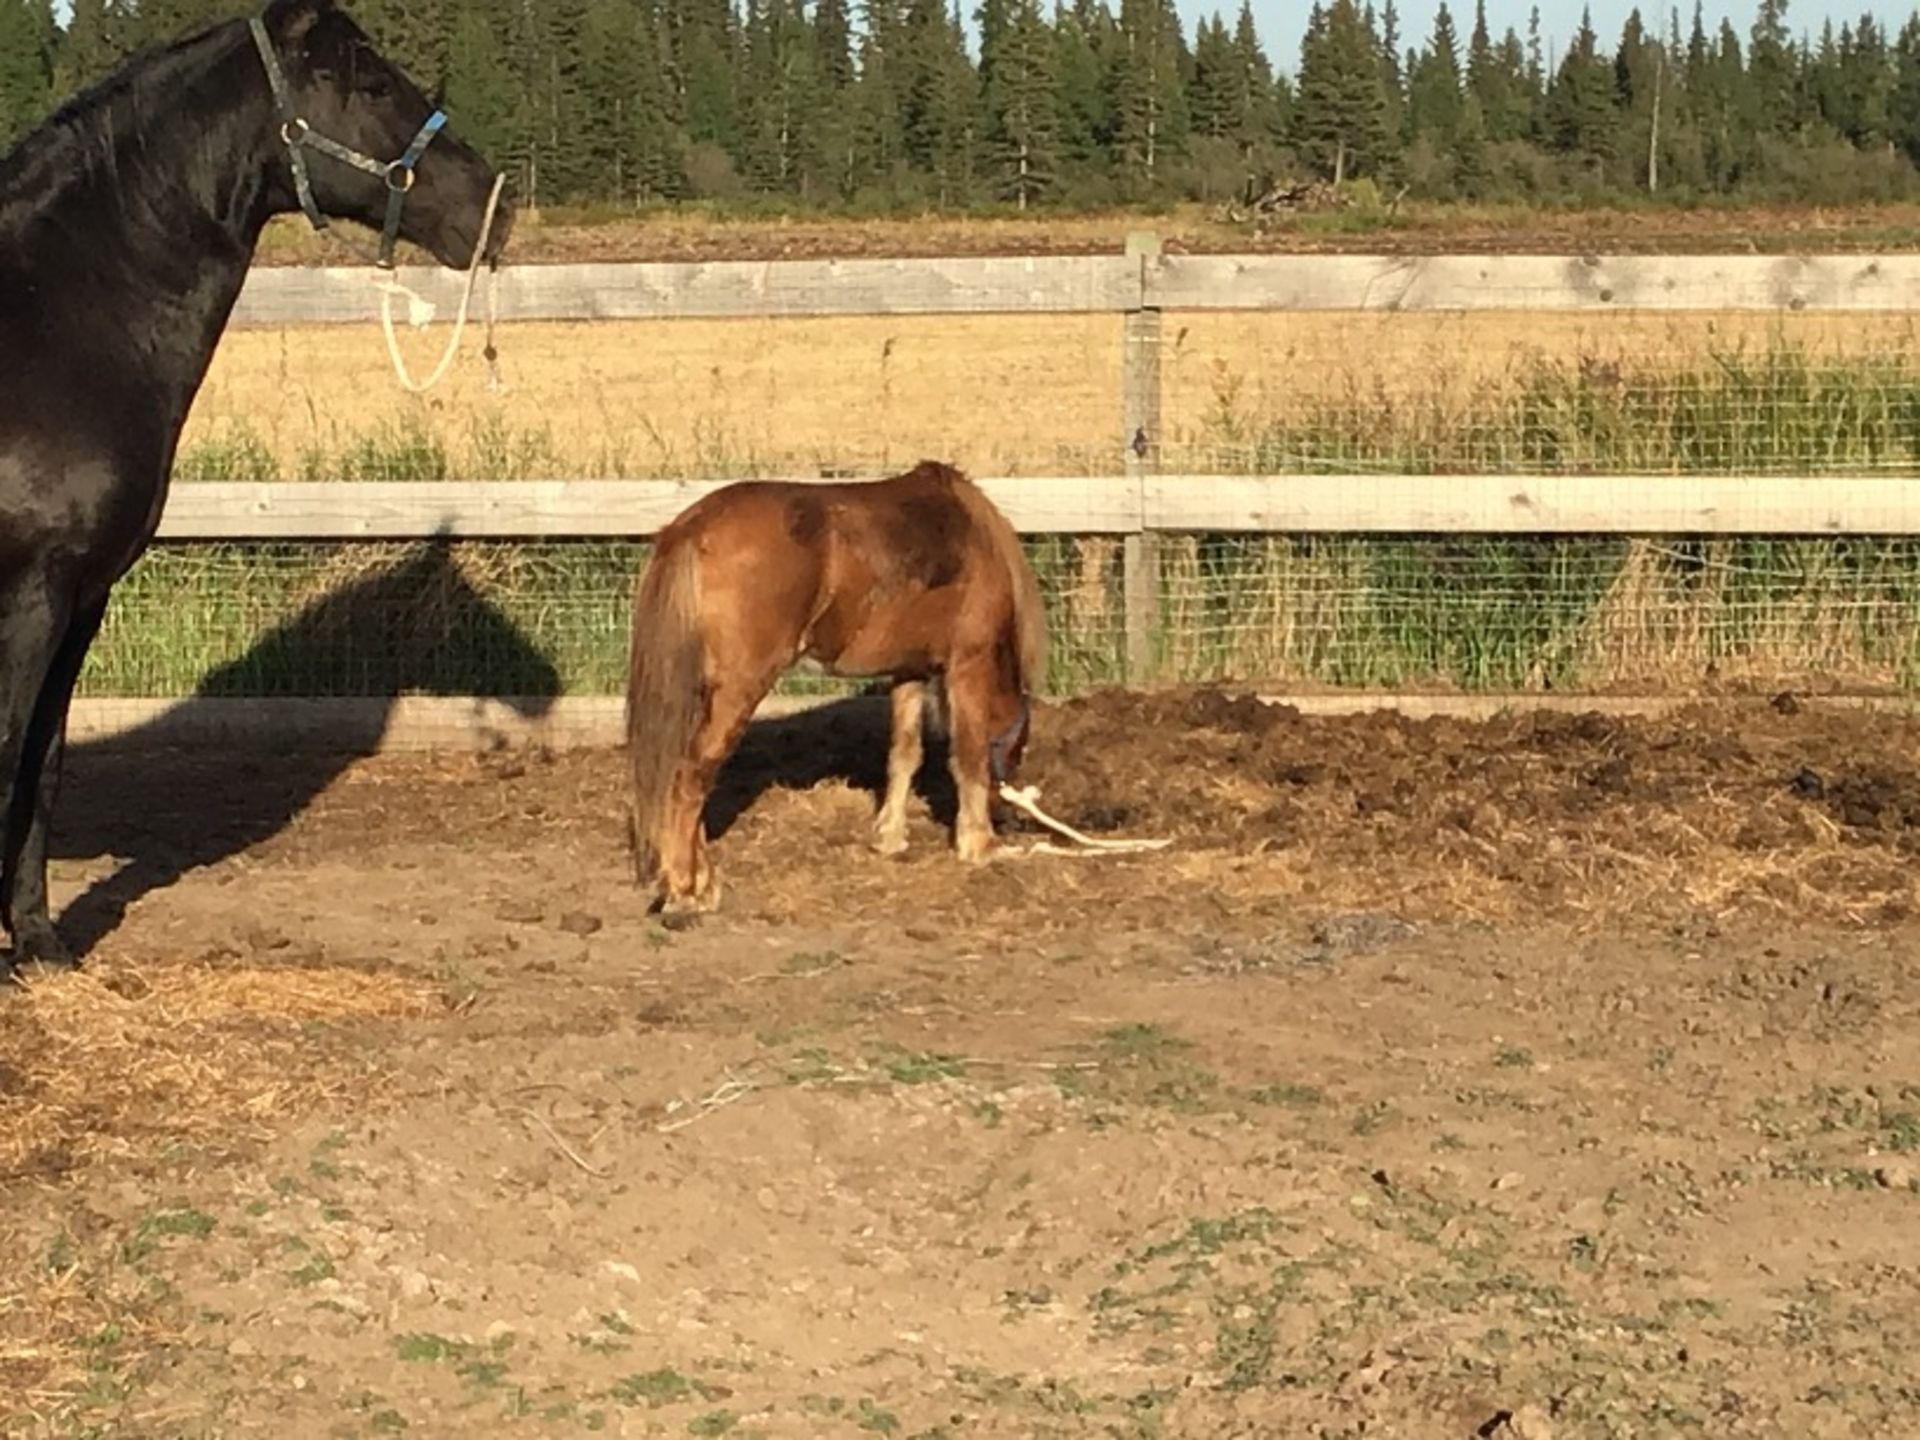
(420, 311)
(1027, 800)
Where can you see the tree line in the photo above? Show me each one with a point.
(879, 104)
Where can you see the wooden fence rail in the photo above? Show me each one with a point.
(1141, 279)
(1143, 503)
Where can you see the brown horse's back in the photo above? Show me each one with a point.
(866, 577)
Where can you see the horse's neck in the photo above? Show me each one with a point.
(146, 208)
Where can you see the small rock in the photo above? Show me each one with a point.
(415, 1286)
(1529, 1422)
(498, 1330)
(1787, 703)
(620, 1270)
(579, 922)
(1509, 1180)
(519, 912)
(1896, 1175)
(242, 1349)
(260, 938)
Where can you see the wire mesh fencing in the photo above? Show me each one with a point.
(1322, 612)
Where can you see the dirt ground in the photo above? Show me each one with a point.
(1551, 1076)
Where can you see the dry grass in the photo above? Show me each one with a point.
(120, 1060)
(995, 394)
(133, 1063)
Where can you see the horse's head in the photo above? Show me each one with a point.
(362, 142)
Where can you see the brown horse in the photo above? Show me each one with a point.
(918, 578)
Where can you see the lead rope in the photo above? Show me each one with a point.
(419, 311)
(1028, 801)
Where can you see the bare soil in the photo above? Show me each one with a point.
(1552, 1076)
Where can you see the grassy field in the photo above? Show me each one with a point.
(1041, 395)
(695, 232)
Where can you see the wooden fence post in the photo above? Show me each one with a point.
(1140, 415)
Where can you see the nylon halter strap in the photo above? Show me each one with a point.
(299, 137)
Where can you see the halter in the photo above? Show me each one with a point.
(1001, 747)
(299, 137)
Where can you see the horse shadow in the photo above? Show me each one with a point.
(846, 740)
(173, 795)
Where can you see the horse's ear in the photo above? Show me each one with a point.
(294, 18)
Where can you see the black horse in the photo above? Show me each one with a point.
(127, 222)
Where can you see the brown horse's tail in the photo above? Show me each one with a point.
(1029, 606)
(665, 689)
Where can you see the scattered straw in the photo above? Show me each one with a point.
(117, 1056)
(733, 1089)
(560, 1144)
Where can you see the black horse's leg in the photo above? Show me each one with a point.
(32, 624)
(34, 936)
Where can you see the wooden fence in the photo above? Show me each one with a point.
(1135, 504)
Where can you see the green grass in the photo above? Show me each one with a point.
(1474, 613)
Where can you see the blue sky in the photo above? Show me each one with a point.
(1282, 21)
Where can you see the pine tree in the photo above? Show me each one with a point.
(941, 119)
(1580, 112)
(1393, 74)
(97, 38)
(1082, 37)
(1485, 83)
(1217, 81)
(1471, 171)
(161, 22)
(1536, 70)
(1639, 78)
(1262, 97)
(1150, 103)
(703, 34)
(482, 97)
(26, 66)
(1904, 102)
(876, 143)
(781, 93)
(1341, 116)
(833, 42)
(1773, 73)
(1433, 92)
(1867, 77)
(1023, 107)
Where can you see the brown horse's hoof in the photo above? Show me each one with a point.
(974, 847)
(681, 912)
(40, 947)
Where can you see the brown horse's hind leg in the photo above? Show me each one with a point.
(903, 763)
(689, 883)
(971, 690)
